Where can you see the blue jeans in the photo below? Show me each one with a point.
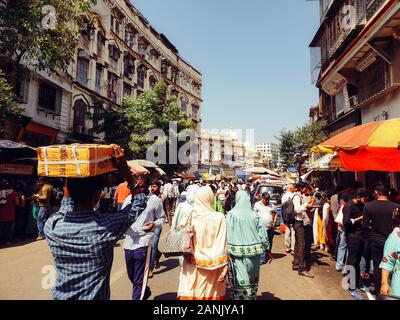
(154, 251)
(43, 215)
(342, 250)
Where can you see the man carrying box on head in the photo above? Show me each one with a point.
(82, 240)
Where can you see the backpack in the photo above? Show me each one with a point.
(288, 212)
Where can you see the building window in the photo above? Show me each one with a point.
(339, 103)
(49, 97)
(184, 104)
(143, 50)
(129, 66)
(82, 70)
(114, 52)
(115, 25)
(127, 90)
(79, 117)
(21, 88)
(174, 75)
(130, 37)
(152, 81)
(195, 111)
(99, 75)
(141, 76)
(101, 41)
(373, 80)
(112, 86)
(164, 69)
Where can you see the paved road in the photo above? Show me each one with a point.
(23, 271)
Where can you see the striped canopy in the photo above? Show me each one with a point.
(369, 147)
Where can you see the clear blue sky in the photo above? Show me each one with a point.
(253, 55)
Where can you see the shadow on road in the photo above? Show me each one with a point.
(268, 296)
(19, 243)
(168, 265)
(316, 258)
(277, 256)
(171, 296)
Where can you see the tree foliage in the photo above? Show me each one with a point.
(9, 108)
(154, 109)
(287, 148)
(44, 40)
(295, 146)
(112, 122)
(25, 33)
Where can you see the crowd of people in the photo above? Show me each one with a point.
(233, 234)
(357, 227)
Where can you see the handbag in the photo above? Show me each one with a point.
(179, 240)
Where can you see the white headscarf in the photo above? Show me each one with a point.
(185, 208)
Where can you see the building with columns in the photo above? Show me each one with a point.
(119, 54)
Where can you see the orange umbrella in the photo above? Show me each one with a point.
(369, 147)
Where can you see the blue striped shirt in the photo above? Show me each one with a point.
(82, 244)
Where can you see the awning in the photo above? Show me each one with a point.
(370, 147)
(329, 162)
(10, 150)
(257, 170)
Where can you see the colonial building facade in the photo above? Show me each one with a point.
(223, 153)
(355, 57)
(119, 54)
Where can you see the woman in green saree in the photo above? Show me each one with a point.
(246, 241)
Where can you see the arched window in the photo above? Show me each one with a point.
(152, 81)
(141, 76)
(79, 117)
(184, 104)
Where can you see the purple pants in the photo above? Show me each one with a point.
(136, 266)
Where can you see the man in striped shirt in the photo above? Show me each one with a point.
(82, 240)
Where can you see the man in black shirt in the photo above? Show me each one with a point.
(352, 217)
(378, 219)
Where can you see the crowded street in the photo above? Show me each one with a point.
(200, 150)
(277, 280)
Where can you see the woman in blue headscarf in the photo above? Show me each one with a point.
(246, 241)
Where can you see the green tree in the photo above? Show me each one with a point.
(154, 109)
(295, 146)
(44, 40)
(9, 108)
(287, 148)
(110, 121)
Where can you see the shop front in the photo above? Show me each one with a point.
(36, 135)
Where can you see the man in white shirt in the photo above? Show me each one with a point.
(138, 243)
(289, 230)
(269, 217)
(301, 221)
(221, 192)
